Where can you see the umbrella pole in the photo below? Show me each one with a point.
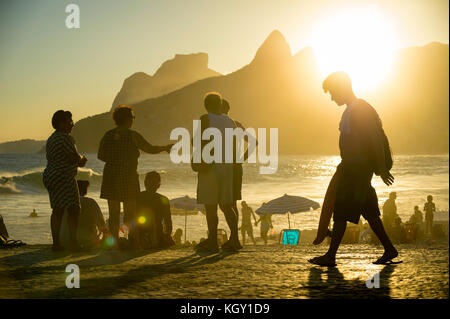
(289, 221)
(185, 221)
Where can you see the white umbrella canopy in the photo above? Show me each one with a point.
(287, 204)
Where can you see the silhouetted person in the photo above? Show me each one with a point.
(91, 223)
(399, 230)
(363, 146)
(155, 228)
(177, 236)
(33, 213)
(215, 181)
(390, 211)
(266, 225)
(417, 216)
(119, 149)
(246, 224)
(63, 161)
(237, 167)
(429, 208)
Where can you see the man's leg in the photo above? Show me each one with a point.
(213, 221)
(336, 237)
(236, 210)
(243, 234)
(329, 259)
(231, 218)
(250, 234)
(377, 227)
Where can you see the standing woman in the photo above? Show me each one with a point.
(63, 161)
(119, 149)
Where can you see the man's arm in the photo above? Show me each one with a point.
(142, 144)
(254, 216)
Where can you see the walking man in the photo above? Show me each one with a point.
(364, 150)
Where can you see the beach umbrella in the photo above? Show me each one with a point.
(287, 204)
(188, 206)
(186, 203)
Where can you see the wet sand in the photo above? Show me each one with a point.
(272, 271)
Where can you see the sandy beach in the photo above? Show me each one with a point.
(272, 271)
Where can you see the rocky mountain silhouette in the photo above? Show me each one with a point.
(21, 146)
(172, 75)
(280, 90)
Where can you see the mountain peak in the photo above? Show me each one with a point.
(183, 63)
(274, 48)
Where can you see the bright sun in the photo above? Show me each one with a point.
(357, 41)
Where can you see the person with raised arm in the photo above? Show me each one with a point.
(119, 149)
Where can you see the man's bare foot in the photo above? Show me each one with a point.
(324, 260)
(387, 257)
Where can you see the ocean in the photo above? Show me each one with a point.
(416, 176)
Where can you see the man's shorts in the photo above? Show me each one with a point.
(248, 228)
(355, 195)
(215, 186)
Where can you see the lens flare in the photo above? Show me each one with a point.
(110, 241)
(142, 220)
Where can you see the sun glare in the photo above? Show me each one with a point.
(357, 41)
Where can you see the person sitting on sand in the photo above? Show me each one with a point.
(399, 232)
(246, 224)
(91, 223)
(364, 150)
(154, 216)
(429, 208)
(266, 224)
(177, 236)
(417, 216)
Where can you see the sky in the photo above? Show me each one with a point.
(44, 66)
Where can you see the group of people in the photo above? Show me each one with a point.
(417, 225)
(364, 150)
(119, 149)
